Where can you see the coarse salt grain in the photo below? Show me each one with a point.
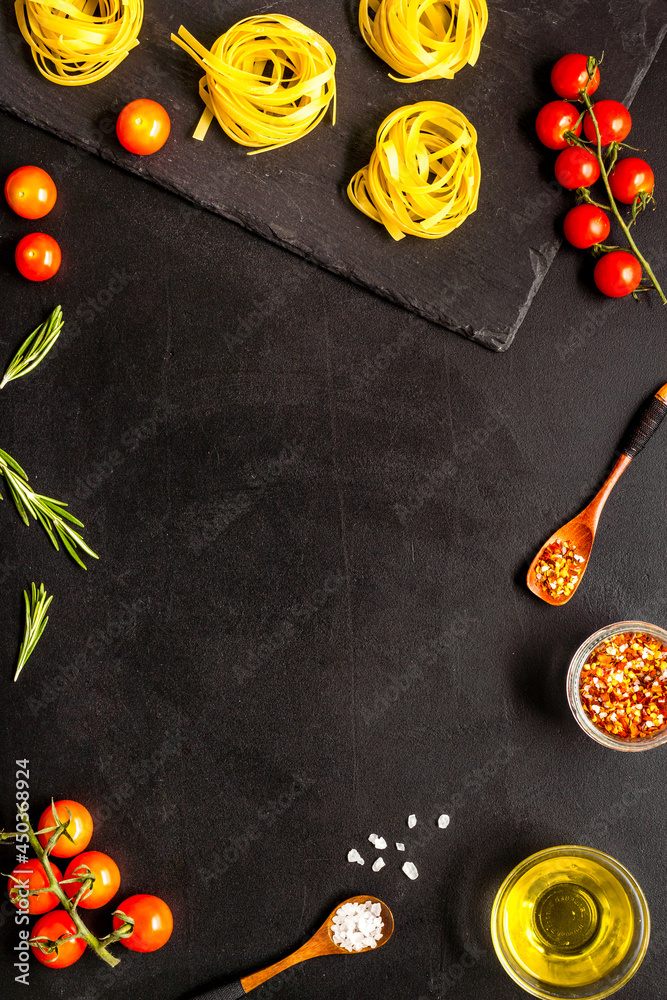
(381, 843)
(400, 847)
(443, 821)
(412, 820)
(378, 865)
(356, 926)
(355, 856)
(410, 870)
(372, 837)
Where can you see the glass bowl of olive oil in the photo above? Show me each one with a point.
(570, 922)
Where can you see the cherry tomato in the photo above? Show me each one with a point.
(107, 879)
(143, 127)
(31, 875)
(569, 76)
(52, 926)
(153, 922)
(80, 828)
(613, 120)
(30, 192)
(37, 256)
(629, 177)
(554, 120)
(586, 225)
(576, 167)
(617, 273)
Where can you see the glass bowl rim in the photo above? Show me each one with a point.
(574, 700)
(635, 892)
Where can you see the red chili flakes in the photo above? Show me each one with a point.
(623, 685)
(559, 568)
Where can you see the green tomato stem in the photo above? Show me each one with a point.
(612, 202)
(82, 931)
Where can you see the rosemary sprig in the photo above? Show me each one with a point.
(51, 514)
(35, 623)
(35, 348)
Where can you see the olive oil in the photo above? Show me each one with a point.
(564, 922)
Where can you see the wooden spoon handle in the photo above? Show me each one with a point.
(645, 425)
(230, 991)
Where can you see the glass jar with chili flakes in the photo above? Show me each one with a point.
(617, 686)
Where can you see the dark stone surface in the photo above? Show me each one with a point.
(481, 279)
(314, 513)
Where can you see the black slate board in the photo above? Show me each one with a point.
(481, 280)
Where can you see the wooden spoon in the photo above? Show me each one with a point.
(580, 531)
(321, 943)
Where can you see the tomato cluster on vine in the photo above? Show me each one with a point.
(91, 880)
(581, 163)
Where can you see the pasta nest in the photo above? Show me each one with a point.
(75, 42)
(269, 80)
(424, 173)
(424, 39)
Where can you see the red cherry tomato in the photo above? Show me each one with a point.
(153, 922)
(30, 192)
(569, 77)
(52, 926)
(554, 120)
(613, 120)
(31, 875)
(107, 879)
(629, 177)
(37, 256)
(617, 273)
(80, 828)
(143, 127)
(576, 167)
(586, 225)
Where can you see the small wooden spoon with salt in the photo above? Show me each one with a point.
(579, 533)
(321, 943)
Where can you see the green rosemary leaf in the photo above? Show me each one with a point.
(36, 620)
(50, 513)
(35, 348)
(12, 463)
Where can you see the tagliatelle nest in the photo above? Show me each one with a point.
(424, 39)
(269, 80)
(424, 173)
(75, 42)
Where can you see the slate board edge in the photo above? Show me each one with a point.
(498, 341)
(494, 340)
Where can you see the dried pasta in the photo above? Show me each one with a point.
(424, 173)
(424, 39)
(268, 81)
(75, 42)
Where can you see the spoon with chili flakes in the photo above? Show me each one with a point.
(559, 566)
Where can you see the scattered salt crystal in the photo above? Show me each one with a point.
(443, 821)
(412, 820)
(400, 847)
(381, 843)
(378, 865)
(355, 856)
(410, 870)
(372, 837)
(357, 925)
